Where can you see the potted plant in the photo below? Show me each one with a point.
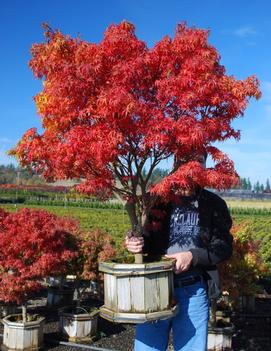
(59, 292)
(33, 245)
(79, 323)
(239, 276)
(220, 329)
(112, 112)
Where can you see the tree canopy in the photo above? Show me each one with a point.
(111, 109)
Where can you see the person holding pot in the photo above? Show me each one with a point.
(194, 229)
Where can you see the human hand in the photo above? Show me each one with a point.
(133, 243)
(183, 261)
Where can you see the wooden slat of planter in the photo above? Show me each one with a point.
(111, 288)
(165, 291)
(152, 298)
(123, 294)
(137, 294)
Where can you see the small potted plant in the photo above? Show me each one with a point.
(239, 276)
(33, 245)
(59, 292)
(79, 323)
(220, 329)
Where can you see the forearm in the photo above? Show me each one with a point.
(219, 249)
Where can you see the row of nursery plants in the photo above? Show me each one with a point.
(248, 211)
(49, 196)
(116, 222)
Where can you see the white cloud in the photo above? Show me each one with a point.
(244, 32)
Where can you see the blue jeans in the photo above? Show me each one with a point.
(189, 326)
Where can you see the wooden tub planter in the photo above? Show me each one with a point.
(22, 336)
(59, 296)
(220, 338)
(7, 309)
(77, 324)
(136, 293)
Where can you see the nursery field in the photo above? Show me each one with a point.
(249, 203)
(116, 222)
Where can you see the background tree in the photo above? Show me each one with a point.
(110, 109)
(34, 244)
(257, 187)
(267, 186)
(93, 247)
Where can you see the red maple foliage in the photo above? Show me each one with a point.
(34, 244)
(111, 109)
(94, 246)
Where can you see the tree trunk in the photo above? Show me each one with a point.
(77, 289)
(136, 227)
(213, 304)
(24, 313)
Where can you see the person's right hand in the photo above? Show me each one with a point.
(134, 244)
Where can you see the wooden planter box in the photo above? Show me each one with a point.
(59, 297)
(80, 326)
(136, 293)
(6, 309)
(22, 336)
(220, 339)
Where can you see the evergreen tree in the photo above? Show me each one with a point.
(257, 186)
(244, 184)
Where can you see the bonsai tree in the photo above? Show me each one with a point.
(33, 245)
(93, 247)
(113, 109)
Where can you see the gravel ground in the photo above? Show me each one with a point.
(252, 331)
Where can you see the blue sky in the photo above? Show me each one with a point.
(240, 30)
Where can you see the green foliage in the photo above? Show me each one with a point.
(248, 211)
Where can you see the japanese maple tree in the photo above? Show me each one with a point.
(111, 109)
(240, 274)
(94, 246)
(34, 244)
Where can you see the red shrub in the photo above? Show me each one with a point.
(33, 244)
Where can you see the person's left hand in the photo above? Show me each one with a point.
(183, 261)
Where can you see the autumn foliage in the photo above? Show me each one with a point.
(111, 109)
(34, 244)
(239, 275)
(94, 246)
